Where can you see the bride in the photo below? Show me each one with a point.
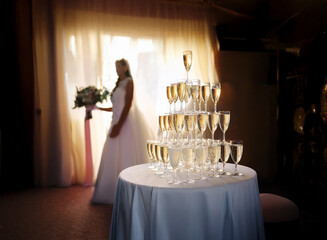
(126, 141)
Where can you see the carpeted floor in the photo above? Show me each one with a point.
(67, 214)
(53, 213)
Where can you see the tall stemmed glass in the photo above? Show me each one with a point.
(213, 123)
(188, 158)
(187, 59)
(149, 151)
(162, 127)
(215, 94)
(174, 95)
(174, 155)
(187, 94)
(195, 89)
(181, 89)
(202, 122)
(169, 96)
(214, 154)
(236, 152)
(225, 152)
(164, 158)
(154, 156)
(190, 121)
(167, 127)
(205, 93)
(178, 124)
(201, 154)
(224, 119)
(171, 125)
(159, 158)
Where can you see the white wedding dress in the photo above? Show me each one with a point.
(125, 150)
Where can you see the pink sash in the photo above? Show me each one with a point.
(88, 181)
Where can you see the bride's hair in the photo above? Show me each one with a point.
(124, 62)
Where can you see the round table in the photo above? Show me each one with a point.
(148, 207)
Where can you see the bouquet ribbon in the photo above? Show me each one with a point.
(88, 180)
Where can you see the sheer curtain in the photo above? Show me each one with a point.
(76, 45)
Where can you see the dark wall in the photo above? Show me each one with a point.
(16, 164)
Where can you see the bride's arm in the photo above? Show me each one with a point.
(128, 103)
(105, 109)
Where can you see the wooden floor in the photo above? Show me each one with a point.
(53, 213)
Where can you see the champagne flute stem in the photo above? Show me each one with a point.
(215, 107)
(212, 135)
(205, 106)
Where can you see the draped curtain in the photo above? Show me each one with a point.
(76, 44)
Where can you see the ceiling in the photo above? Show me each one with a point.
(276, 23)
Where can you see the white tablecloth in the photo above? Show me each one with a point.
(147, 207)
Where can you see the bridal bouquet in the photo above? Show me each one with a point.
(88, 97)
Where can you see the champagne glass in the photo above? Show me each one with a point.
(200, 98)
(174, 95)
(202, 122)
(214, 153)
(159, 158)
(236, 152)
(164, 158)
(195, 89)
(171, 125)
(174, 155)
(154, 156)
(201, 154)
(224, 119)
(190, 121)
(178, 124)
(149, 151)
(181, 88)
(188, 158)
(169, 96)
(225, 152)
(213, 123)
(187, 59)
(187, 94)
(205, 92)
(162, 126)
(215, 94)
(167, 127)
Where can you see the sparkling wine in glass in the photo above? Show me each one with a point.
(190, 121)
(224, 119)
(154, 156)
(164, 159)
(202, 120)
(201, 154)
(215, 94)
(149, 151)
(171, 125)
(159, 158)
(188, 159)
(236, 152)
(167, 127)
(187, 94)
(174, 156)
(213, 123)
(174, 95)
(214, 154)
(195, 89)
(181, 89)
(178, 123)
(162, 126)
(225, 153)
(169, 96)
(187, 59)
(205, 93)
